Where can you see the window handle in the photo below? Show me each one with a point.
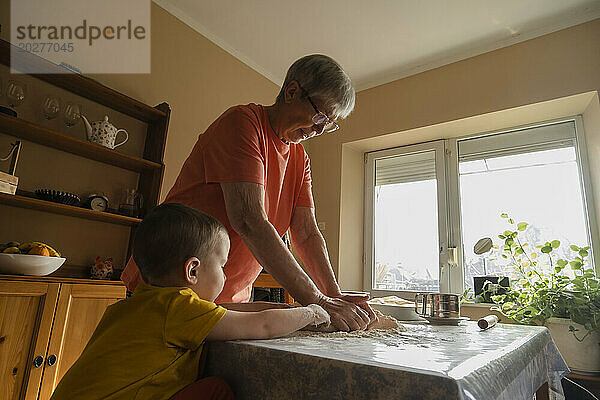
(453, 256)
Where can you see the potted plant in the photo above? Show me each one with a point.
(557, 291)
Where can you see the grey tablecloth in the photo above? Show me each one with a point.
(425, 362)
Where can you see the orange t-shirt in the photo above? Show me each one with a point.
(240, 146)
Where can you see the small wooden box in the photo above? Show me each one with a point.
(8, 183)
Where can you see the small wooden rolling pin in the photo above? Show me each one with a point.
(487, 322)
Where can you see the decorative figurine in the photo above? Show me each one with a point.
(102, 270)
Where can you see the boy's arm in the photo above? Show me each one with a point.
(266, 324)
(255, 306)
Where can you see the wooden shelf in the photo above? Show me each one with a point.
(48, 137)
(78, 84)
(57, 279)
(72, 211)
(149, 167)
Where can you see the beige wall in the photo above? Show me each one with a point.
(525, 79)
(197, 78)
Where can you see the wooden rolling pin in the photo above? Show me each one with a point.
(487, 322)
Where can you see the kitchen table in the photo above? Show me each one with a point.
(509, 362)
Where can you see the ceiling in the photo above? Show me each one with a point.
(376, 41)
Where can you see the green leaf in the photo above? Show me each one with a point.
(522, 226)
(562, 263)
(504, 215)
(575, 265)
(574, 248)
(555, 244)
(583, 253)
(557, 269)
(507, 233)
(502, 237)
(511, 221)
(546, 249)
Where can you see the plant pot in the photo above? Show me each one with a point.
(581, 357)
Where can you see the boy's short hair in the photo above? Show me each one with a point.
(169, 235)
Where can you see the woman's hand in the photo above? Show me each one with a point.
(345, 315)
(361, 301)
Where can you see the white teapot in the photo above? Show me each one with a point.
(103, 132)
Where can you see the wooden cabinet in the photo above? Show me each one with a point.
(44, 327)
(26, 314)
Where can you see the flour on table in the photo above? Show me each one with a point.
(422, 335)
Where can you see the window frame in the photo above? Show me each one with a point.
(449, 217)
(440, 166)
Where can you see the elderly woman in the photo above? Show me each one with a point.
(250, 171)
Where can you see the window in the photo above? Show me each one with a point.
(428, 204)
(408, 198)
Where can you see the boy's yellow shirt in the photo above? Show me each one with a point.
(145, 347)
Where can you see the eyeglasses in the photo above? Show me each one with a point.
(320, 118)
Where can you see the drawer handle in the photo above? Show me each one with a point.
(51, 360)
(38, 361)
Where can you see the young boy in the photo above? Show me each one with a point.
(149, 345)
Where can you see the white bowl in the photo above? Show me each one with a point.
(29, 264)
(404, 312)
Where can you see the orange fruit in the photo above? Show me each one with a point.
(39, 251)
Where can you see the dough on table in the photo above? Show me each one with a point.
(384, 322)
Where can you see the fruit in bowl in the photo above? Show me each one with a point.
(31, 258)
(34, 248)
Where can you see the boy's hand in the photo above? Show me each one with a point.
(320, 316)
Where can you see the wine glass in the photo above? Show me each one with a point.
(71, 114)
(51, 107)
(15, 93)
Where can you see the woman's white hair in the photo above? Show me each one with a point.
(323, 78)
